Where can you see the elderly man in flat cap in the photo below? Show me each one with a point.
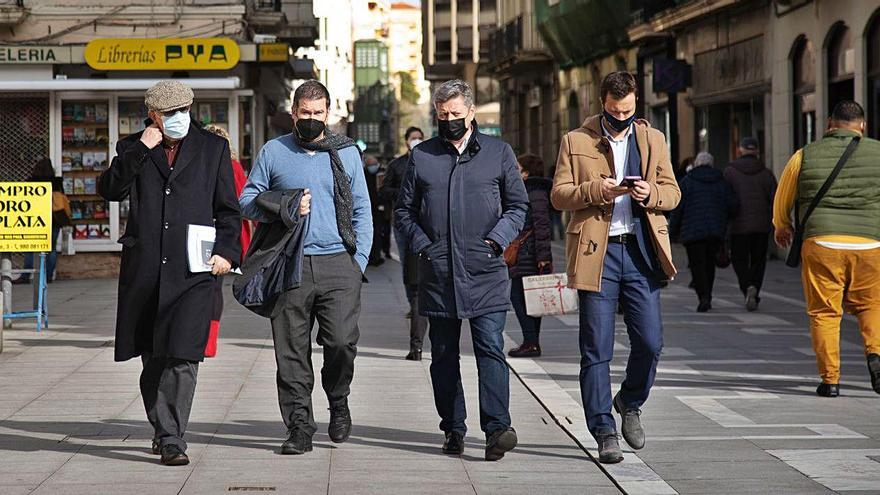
(175, 175)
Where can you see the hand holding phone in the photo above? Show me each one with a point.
(629, 181)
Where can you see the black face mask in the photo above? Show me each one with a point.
(617, 124)
(309, 129)
(452, 130)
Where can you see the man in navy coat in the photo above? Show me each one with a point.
(461, 203)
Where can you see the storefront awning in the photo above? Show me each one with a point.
(114, 84)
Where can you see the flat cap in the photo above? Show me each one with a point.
(168, 95)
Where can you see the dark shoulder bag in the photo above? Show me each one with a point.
(794, 254)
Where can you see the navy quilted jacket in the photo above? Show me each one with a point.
(707, 203)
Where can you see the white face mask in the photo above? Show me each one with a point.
(414, 142)
(176, 126)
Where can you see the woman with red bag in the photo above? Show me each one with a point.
(240, 179)
(533, 254)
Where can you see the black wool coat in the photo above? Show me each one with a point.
(163, 308)
(537, 247)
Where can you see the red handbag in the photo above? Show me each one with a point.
(213, 333)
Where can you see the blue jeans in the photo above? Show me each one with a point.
(51, 259)
(494, 376)
(626, 278)
(531, 326)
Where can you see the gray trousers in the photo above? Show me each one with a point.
(168, 386)
(330, 293)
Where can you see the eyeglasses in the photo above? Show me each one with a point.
(169, 113)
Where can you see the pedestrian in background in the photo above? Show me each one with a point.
(534, 256)
(750, 228)
(389, 192)
(371, 174)
(337, 241)
(557, 226)
(461, 238)
(61, 217)
(618, 251)
(175, 175)
(841, 247)
(700, 223)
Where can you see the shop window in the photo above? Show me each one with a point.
(211, 112)
(804, 92)
(841, 66)
(873, 40)
(85, 140)
(24, 125)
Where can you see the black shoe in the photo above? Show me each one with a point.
(525, 351)
(609, 448)
(172, 455)
(499, 443)
(454, 444)
(874, 371)
(156, 450)
(631, 424)
(828, 389)
(704, 306)
(340, 423)
(298, 442)
(414, 356)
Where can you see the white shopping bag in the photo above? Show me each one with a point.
(66, 246)
(548, 295)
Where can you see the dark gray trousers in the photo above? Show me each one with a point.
(418, 325)
(331, 294)
(168, 386)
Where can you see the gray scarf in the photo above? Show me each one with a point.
(342, 199)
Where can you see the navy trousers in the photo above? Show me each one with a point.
(487, 333)
(626, 279)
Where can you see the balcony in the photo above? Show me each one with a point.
(290, 20)
(517, 47)
(12, 13)
(579, 31)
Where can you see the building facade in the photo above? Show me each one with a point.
(457, 45)
(73, 75)
(334, 59)
(375, 105)
(527, 79)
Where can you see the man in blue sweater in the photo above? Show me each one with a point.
(338, 237)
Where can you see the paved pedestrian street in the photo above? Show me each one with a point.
(733, 410)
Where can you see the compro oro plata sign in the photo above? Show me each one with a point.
(25, 217)
(153, 54)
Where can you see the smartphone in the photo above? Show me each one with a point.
(630, 181)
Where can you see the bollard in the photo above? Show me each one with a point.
(6, 285)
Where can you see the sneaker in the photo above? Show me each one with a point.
(454, 444)
(751, 298)
(609, 448)
(499, 443)
(297, 443)
(874, 371)
(527, 350)
(828, 390)
(173, 455)
(340, 423)
(631, 427)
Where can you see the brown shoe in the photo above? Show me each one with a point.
(172, 455)
(526, 350)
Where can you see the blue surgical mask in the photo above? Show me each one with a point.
(372, 169)
(176, 126)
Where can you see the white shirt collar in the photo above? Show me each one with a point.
(465, 141)
(608, 134)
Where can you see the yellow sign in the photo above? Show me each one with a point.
(162, 54)
(25, 217)
(274, 52)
